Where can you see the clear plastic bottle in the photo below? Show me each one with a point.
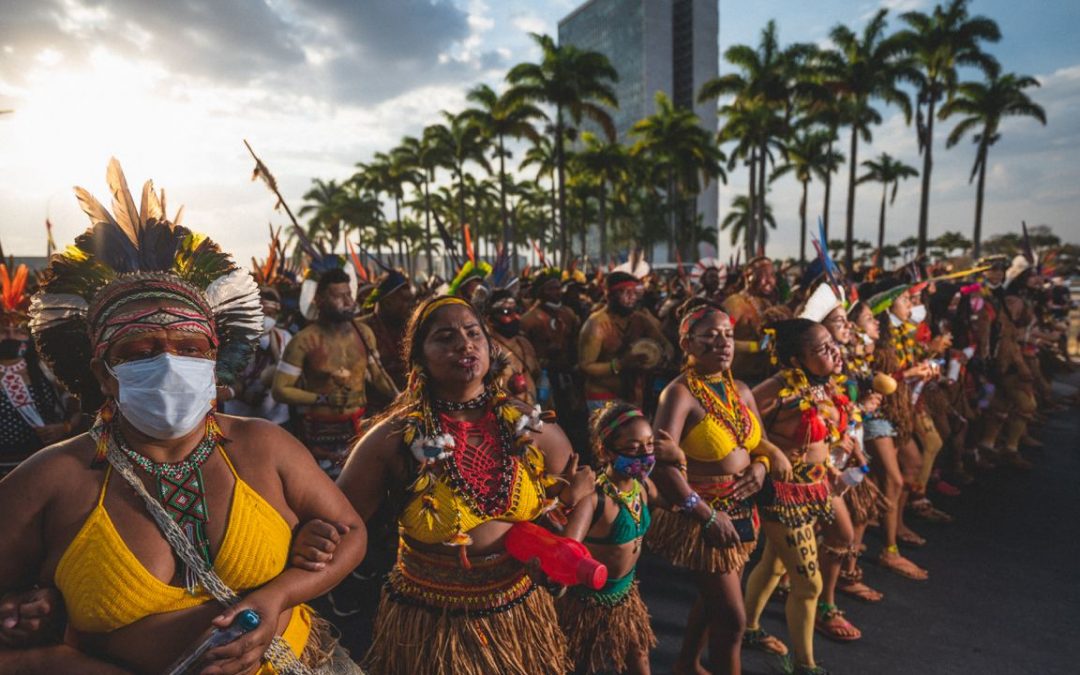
(853, 476)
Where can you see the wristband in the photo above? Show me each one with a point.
(764, 461)
(692, 500)
(322, 399)
(708, 523)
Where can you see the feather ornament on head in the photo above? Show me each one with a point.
(136, 254)
(13, 299)
(821, 302)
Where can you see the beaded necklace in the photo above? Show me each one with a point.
(722, 403)
(810, 397)
(457, 406)
(630, 500)
(181, 489)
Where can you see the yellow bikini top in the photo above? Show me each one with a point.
(105, 587)
(714, 437)
(444, 505)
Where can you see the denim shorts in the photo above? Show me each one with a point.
(877, 427)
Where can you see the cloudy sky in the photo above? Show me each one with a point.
(172, 88)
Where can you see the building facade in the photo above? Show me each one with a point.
(655, 45)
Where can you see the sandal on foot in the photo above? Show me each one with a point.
(831, 623)
(923, 509)
(859, 590)
(764, 642)
(898, 564)
(909, 538)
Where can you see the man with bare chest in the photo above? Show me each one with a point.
(750, 310)
(522, 368)
(325, 372)
(611, 369)
(552, 328)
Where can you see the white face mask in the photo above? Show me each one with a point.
(268, 323)
(918, 314)
(166, 396)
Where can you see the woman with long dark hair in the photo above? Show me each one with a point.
(466, 462)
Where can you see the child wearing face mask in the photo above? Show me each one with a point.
(608, 630)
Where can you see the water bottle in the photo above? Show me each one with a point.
(565, 561)
(543, 388)
(854, 475)
(245, 622)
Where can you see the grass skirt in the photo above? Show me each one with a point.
(438, 618)
(677, 537)
(865, 502)
(604, 634)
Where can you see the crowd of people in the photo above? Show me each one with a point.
(189, 443)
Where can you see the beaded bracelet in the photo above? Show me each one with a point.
(708, 523)
(692, 500)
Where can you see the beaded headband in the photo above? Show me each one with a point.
(622, 419)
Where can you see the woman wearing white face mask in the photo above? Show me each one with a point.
(165, 519)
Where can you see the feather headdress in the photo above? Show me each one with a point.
(13, 299)
(137, 253)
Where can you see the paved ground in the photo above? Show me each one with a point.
(1003, 595)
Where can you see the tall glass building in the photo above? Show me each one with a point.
(655, 45)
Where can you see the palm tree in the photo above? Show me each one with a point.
(542, 155)
(765, 94)
(951, 241)
(686, 156)
(983, 105)
(864, 67)
(808, 155)
(939, 43)
(323, 202)
(578, 84)
(460, 141)
(424, 154)
(607, 163)
(887, 171)
(498, 117)
(740, 216)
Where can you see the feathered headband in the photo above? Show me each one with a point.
(136, 254)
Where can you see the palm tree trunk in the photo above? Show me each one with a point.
(828, 190)
(560, 165)
(750, 233)
(802, 221)
(400, 232)
(928, 166)
(849, 235)
(881, 219)
(977, 239)
(508, 239)
(763, 191)
(603, 221)
(427, 222)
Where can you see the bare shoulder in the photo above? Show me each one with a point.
(675, 389)
(384, 438)
(52, 470)
(769, 388)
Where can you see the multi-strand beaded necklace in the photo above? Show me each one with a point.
(721, 401)
(179, 485)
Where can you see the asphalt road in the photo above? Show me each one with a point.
(1003, 595)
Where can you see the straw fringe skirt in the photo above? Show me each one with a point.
(438, 618)
(866, 502)
(677, 538)
(604, 637)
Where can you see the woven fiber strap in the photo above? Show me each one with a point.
(278, 653)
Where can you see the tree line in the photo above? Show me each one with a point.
(784, 109)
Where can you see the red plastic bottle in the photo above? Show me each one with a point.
(564, 560)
